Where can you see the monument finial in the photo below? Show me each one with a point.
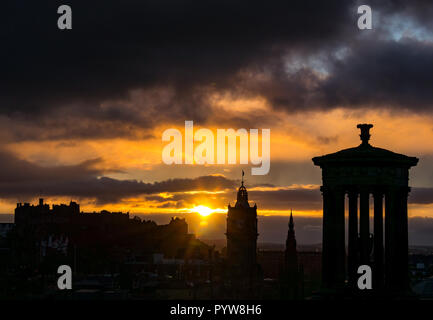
(365, 132)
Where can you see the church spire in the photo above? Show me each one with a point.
(291, 224)
(291, 277)
(291, 239)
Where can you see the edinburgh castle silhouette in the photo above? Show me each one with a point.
(149, 261)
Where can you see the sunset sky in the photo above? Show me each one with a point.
(82, 111)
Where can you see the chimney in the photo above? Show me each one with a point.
(41, 201)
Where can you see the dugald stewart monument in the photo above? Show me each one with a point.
(359, 173)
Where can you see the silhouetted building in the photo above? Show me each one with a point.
(31, 215)
(99, 241)
(291, 276)
(359, 172)
(242, 240)
(290, 254)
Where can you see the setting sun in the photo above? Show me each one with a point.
(202, 210)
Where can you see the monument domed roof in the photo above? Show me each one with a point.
(365, 153)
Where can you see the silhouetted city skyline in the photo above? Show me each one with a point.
(202, 150)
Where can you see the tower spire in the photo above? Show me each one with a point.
(291, 280)
(291, 224)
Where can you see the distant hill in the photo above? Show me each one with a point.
(221, 243)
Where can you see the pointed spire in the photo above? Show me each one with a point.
(243, 173)
(291, 224)
(291, 239)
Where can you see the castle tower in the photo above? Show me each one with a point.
(242, 237)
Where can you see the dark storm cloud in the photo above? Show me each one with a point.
(388, 73)
(17, 171)
(373, 74)
(23, 179)
(420, 11)
(115, 47)
(192, 48)
(298, 199)
(135, 64)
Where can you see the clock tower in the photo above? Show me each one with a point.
(242, 237)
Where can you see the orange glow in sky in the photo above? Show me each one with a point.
(295, 139)
(202, 210)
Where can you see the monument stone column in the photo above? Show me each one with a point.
(378, 239)
(340, 237)
(364, 226)
(400, 262)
